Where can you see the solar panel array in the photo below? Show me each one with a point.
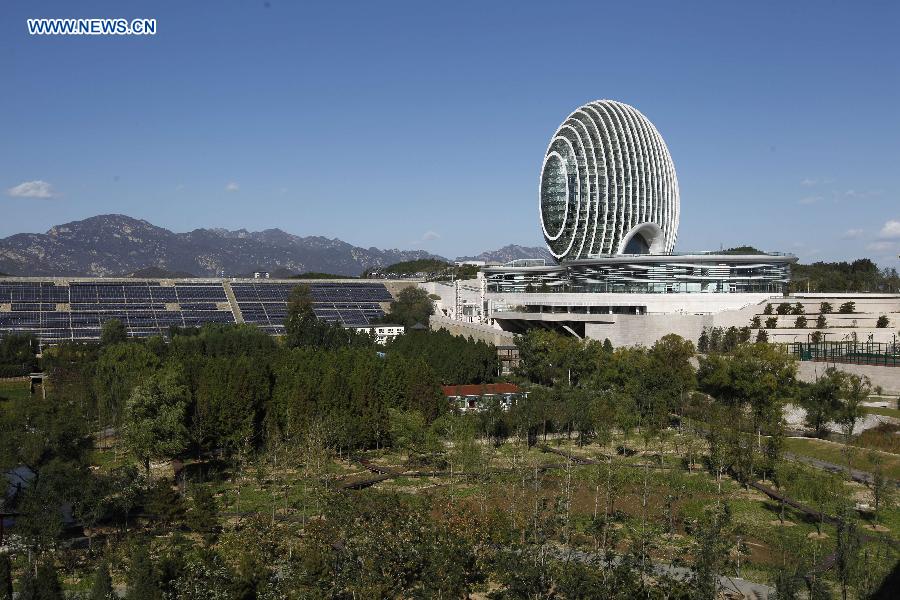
(76, 311)
(265, 304)
(55, 311)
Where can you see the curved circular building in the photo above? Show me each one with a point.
(608, 185)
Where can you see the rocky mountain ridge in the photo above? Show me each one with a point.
(116, 245)
(119, 245)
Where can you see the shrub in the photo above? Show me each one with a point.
(800, 323)
(882, 322)
(771, 322)
(847, 308)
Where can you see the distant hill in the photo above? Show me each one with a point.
(314, 275)
(742, 250)
(116, 245)
(157, 273)
(512, 252)
(411, 267)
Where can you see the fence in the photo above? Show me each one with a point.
(857, 353)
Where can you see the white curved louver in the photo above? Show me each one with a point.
(608, 185)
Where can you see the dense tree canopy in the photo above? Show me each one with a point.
(17, 355)
(858, 276)
(411, 307)
(455, 359)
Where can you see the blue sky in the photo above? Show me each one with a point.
(422, 125)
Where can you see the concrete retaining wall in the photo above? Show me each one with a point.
(476, 331)
(886, 377)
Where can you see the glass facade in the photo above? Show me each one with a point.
(667, 274)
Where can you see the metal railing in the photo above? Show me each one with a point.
(849, 352)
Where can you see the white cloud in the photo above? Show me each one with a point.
(852, 194)
(891, 230)
(880, 246)
(232, 186)
(428, 236)
(32, 189)
(810, 199)
(852, 234)
(810, 182)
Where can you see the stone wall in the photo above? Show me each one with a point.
(886, 377)
(477, 331)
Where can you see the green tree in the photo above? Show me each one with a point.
(755, 322)
(768, 309)
(882, 487)
(847, 308)
(882, 322)
(42, 585)
(703, 342)
(847, 550)
(155, 418)
(102, 587)
(715, 539)
(762, 336)
(783, 309)
(826, 308)
(300, 314)
(203, 515)
(6, 579)
(119, 368)
(822, 399)
(855, 391)
(800, 322)
(410, 433)
(411, 306)
(142, 580)
(797, 309)
(821, 322)
(113, 332)
(771, 322)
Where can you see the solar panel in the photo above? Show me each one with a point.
(55, 311)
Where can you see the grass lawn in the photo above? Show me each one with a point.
(884, 412)
(14, 389)
(833, 453)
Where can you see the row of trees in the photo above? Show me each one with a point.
(721, 339)
(825, 308)
(800, 322)
(861, 275)
(233, 388)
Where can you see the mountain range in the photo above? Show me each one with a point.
(118, 245)
(512, 252)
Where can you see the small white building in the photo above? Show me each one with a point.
(383, 333)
